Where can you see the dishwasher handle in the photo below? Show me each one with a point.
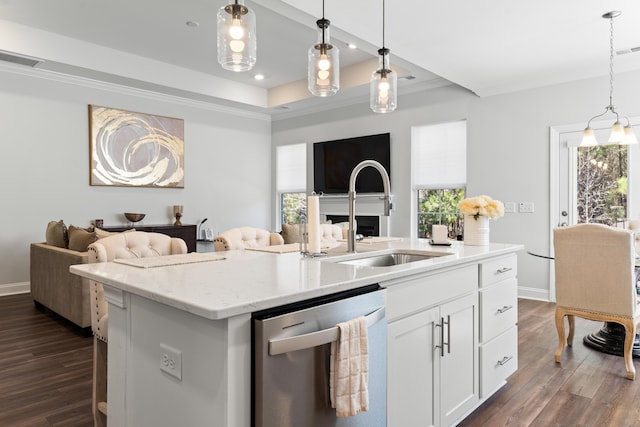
(315, 339)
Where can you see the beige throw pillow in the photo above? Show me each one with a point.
(291, 233)
(56, 234)
(81, 238)
(100, 233)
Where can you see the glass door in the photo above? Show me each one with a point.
(588, 184)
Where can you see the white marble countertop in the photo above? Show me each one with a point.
(248, 281)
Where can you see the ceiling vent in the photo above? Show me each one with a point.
(19, 59)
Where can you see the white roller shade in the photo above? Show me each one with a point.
(439, 155)
(291, 164)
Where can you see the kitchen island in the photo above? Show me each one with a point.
(200, 313)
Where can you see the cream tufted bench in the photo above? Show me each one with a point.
(329, 233)
(243, 237)
(135, 244)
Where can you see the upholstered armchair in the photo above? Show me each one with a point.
(243, 237)
(595, 280)
(135, 244)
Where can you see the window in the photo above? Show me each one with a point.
(439, 171)
(291, 181)
(602, 184)
(440, 206)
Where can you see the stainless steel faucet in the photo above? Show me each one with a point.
(351, 237)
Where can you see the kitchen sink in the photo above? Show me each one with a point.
(391, 259)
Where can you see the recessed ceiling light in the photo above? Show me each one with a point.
(193, 24)
(259, 77)
(352, 46)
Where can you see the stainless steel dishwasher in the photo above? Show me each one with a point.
(292, 346)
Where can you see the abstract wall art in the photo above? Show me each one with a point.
(135, 149)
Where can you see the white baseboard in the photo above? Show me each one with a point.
(15, 288)
(533, 293)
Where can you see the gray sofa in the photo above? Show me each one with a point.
(54, 287)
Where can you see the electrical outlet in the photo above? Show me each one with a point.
(510, 207)
(171, 361)
(526, 207)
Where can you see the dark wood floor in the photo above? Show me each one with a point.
(45, 375)
(45, 368)
(588, 388)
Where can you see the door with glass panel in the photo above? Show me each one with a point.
(588, 184)
(592, 183)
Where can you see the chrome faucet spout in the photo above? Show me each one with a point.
(351, 237)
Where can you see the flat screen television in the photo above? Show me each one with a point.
(333, 162)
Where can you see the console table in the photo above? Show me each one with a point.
(185, 232)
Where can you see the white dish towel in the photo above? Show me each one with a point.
(349, 369)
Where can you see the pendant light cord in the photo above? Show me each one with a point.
(323, 28)
(611, 64)
(383, 15)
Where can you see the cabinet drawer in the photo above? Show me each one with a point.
(408, 296)
(498, 308)
(494, 271)
(498, 360)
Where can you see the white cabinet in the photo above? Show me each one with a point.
(412, 372)
(459, 358)
(498, 323)
(432, 348)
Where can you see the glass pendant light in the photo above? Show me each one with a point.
(324, 62)
(622, 135)
(236, 37)
(383, 93)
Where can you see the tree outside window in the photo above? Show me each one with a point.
(291, 205)
(440, 206)
(602, 184)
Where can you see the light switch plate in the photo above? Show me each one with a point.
(510, 207)
(526, 207)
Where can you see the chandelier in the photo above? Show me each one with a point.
(622, 135)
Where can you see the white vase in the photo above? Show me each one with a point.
(476, 231)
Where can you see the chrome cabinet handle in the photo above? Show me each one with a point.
(504, 309)
(441, 346)
(315, 339)
(448, 323)
(504, 360)
(503, 270)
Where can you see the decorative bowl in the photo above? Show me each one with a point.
(134, 217)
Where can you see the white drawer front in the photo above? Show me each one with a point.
(415, 294)
(498, 308)
(496, 270)
(498, 360)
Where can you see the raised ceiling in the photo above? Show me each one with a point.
(485, 47)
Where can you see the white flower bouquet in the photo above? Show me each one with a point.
(482, 206)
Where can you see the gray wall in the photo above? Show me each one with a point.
(45, 172)
(507, 153)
